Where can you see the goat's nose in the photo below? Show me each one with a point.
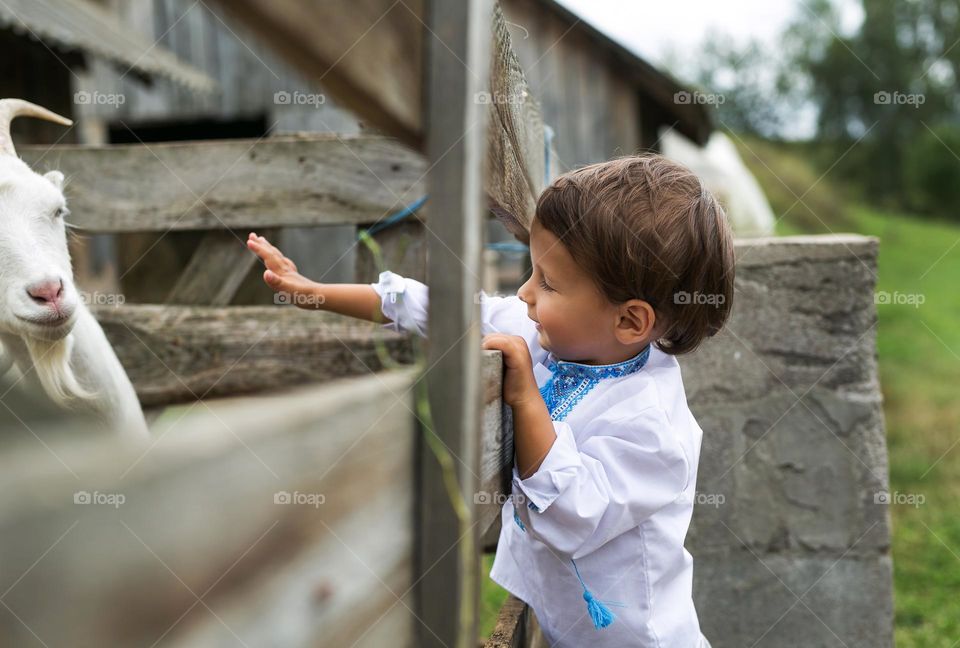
(46, 292)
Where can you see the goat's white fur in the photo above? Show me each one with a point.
(70, 359)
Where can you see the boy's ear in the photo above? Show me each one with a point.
(636, 321)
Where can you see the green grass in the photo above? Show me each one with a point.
(919, 351)
(492, 597)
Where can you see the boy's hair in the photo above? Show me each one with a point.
(646, 227)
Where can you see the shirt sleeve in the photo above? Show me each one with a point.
(405, 301)
(582, 497)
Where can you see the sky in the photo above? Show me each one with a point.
(659, 31)
(651, 28)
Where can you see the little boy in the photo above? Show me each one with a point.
(633, 264)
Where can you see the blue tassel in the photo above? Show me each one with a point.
(599, 613)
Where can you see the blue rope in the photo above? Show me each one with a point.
(396, 217)
(509, 246)
(514, 247)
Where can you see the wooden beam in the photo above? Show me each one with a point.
(176, 354)
(496, 447)
(456, 71)
(275, 520)
(512, 623)
(215, 271)
(271, 182)
(181, 353)
(367, 55)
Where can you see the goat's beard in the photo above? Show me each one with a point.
(51, 362)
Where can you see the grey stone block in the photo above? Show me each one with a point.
(794, 453)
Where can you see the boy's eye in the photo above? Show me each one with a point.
(543, 284)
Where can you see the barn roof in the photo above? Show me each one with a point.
(659, 88)
(78, 25)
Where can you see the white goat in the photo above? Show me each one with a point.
(46, 330)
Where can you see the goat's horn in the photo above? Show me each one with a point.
(12, 108)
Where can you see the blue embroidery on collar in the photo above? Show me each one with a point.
(571, 381)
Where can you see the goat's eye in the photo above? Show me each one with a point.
(61, 212)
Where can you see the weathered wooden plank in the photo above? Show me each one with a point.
(181, 353)
(290, 180)
(290, 517)
(217, 268)
(496, 446)
(512, 622)
(369, 58)
(456, 126)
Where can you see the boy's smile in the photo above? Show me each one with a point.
(574, 319)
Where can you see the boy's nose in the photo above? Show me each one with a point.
(521, 293)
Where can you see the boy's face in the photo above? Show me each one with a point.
(575, 320)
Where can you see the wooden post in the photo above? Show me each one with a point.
(448, 568)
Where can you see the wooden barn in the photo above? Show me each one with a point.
(314, 480)
(606, 102)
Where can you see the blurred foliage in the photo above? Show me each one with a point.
(885, 96)
(877, 90)
(931, 171)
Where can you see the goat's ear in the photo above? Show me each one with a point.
(55, 178)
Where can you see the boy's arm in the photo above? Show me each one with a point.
(355, 300)
(398, 301)
(580, 496)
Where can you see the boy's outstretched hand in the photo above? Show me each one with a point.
(281, 273)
